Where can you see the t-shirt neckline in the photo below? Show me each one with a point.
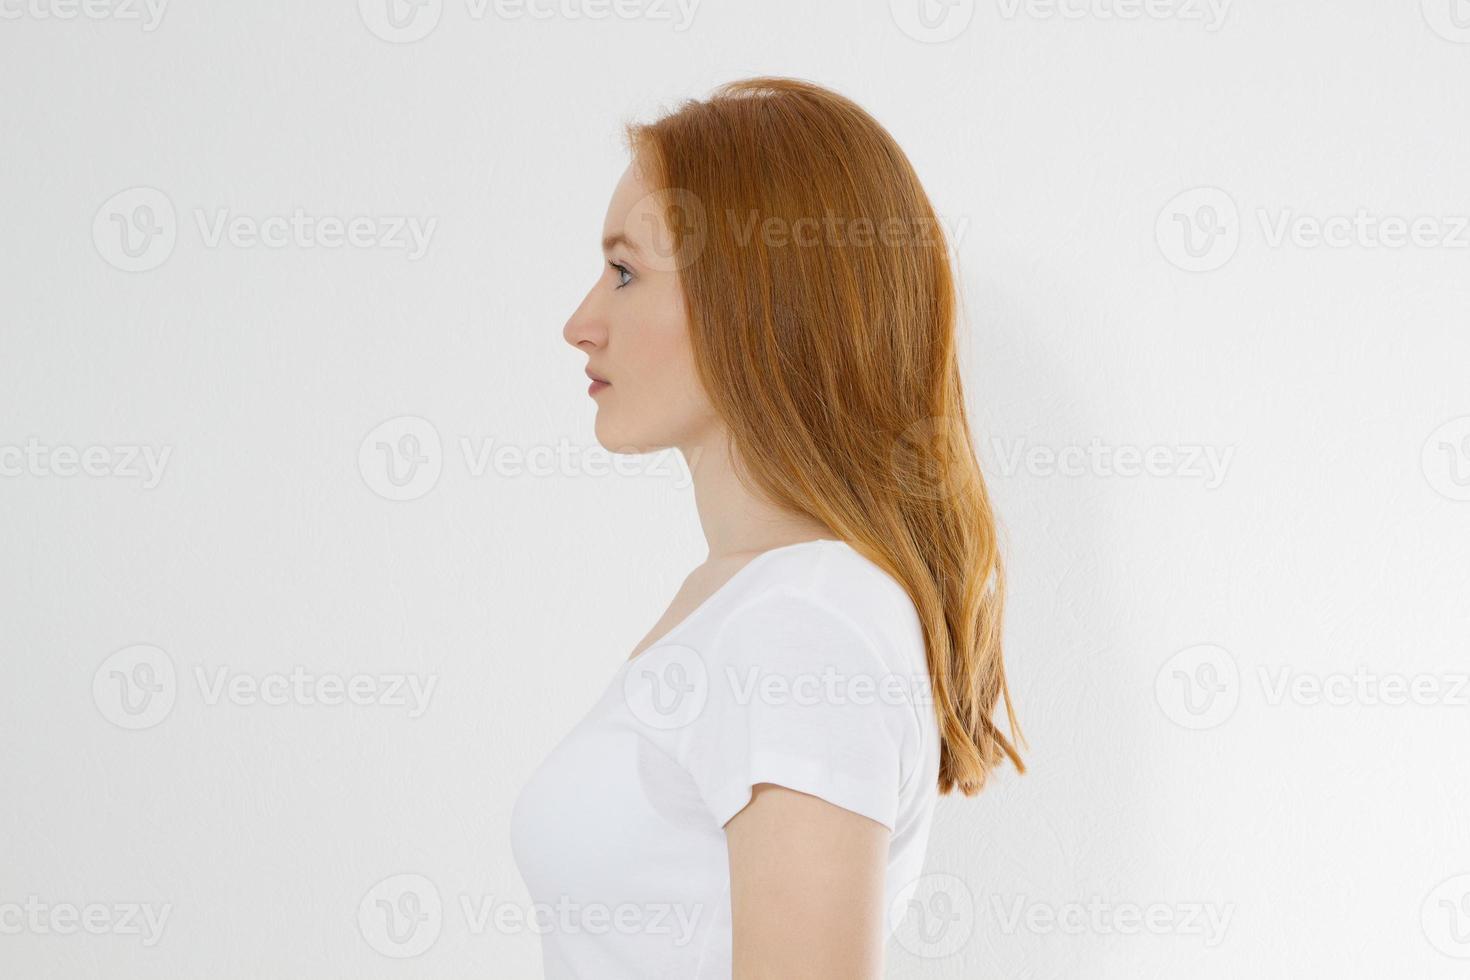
(729, 583)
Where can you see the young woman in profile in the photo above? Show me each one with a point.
(752, 794)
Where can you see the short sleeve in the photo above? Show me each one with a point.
(798, 694)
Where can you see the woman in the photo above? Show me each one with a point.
(752, 795)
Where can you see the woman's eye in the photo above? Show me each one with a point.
(624, 276)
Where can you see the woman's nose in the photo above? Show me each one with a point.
(584, 327)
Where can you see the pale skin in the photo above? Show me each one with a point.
(806, 876)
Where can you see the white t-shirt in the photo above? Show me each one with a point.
(805, 669)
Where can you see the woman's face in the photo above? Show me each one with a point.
(634, 330)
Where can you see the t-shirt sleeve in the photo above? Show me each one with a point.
(798, 694)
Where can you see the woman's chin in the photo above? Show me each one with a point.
(611, 437)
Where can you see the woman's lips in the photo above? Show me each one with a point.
(597, 384)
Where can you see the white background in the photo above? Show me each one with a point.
(1153, 615)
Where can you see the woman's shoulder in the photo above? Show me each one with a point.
(808, 671)
(835, 573)
(826, 585)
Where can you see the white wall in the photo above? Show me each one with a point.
(1305, 519)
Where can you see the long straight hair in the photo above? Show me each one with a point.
(822, 311)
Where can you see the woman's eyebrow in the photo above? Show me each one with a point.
(611, 241)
